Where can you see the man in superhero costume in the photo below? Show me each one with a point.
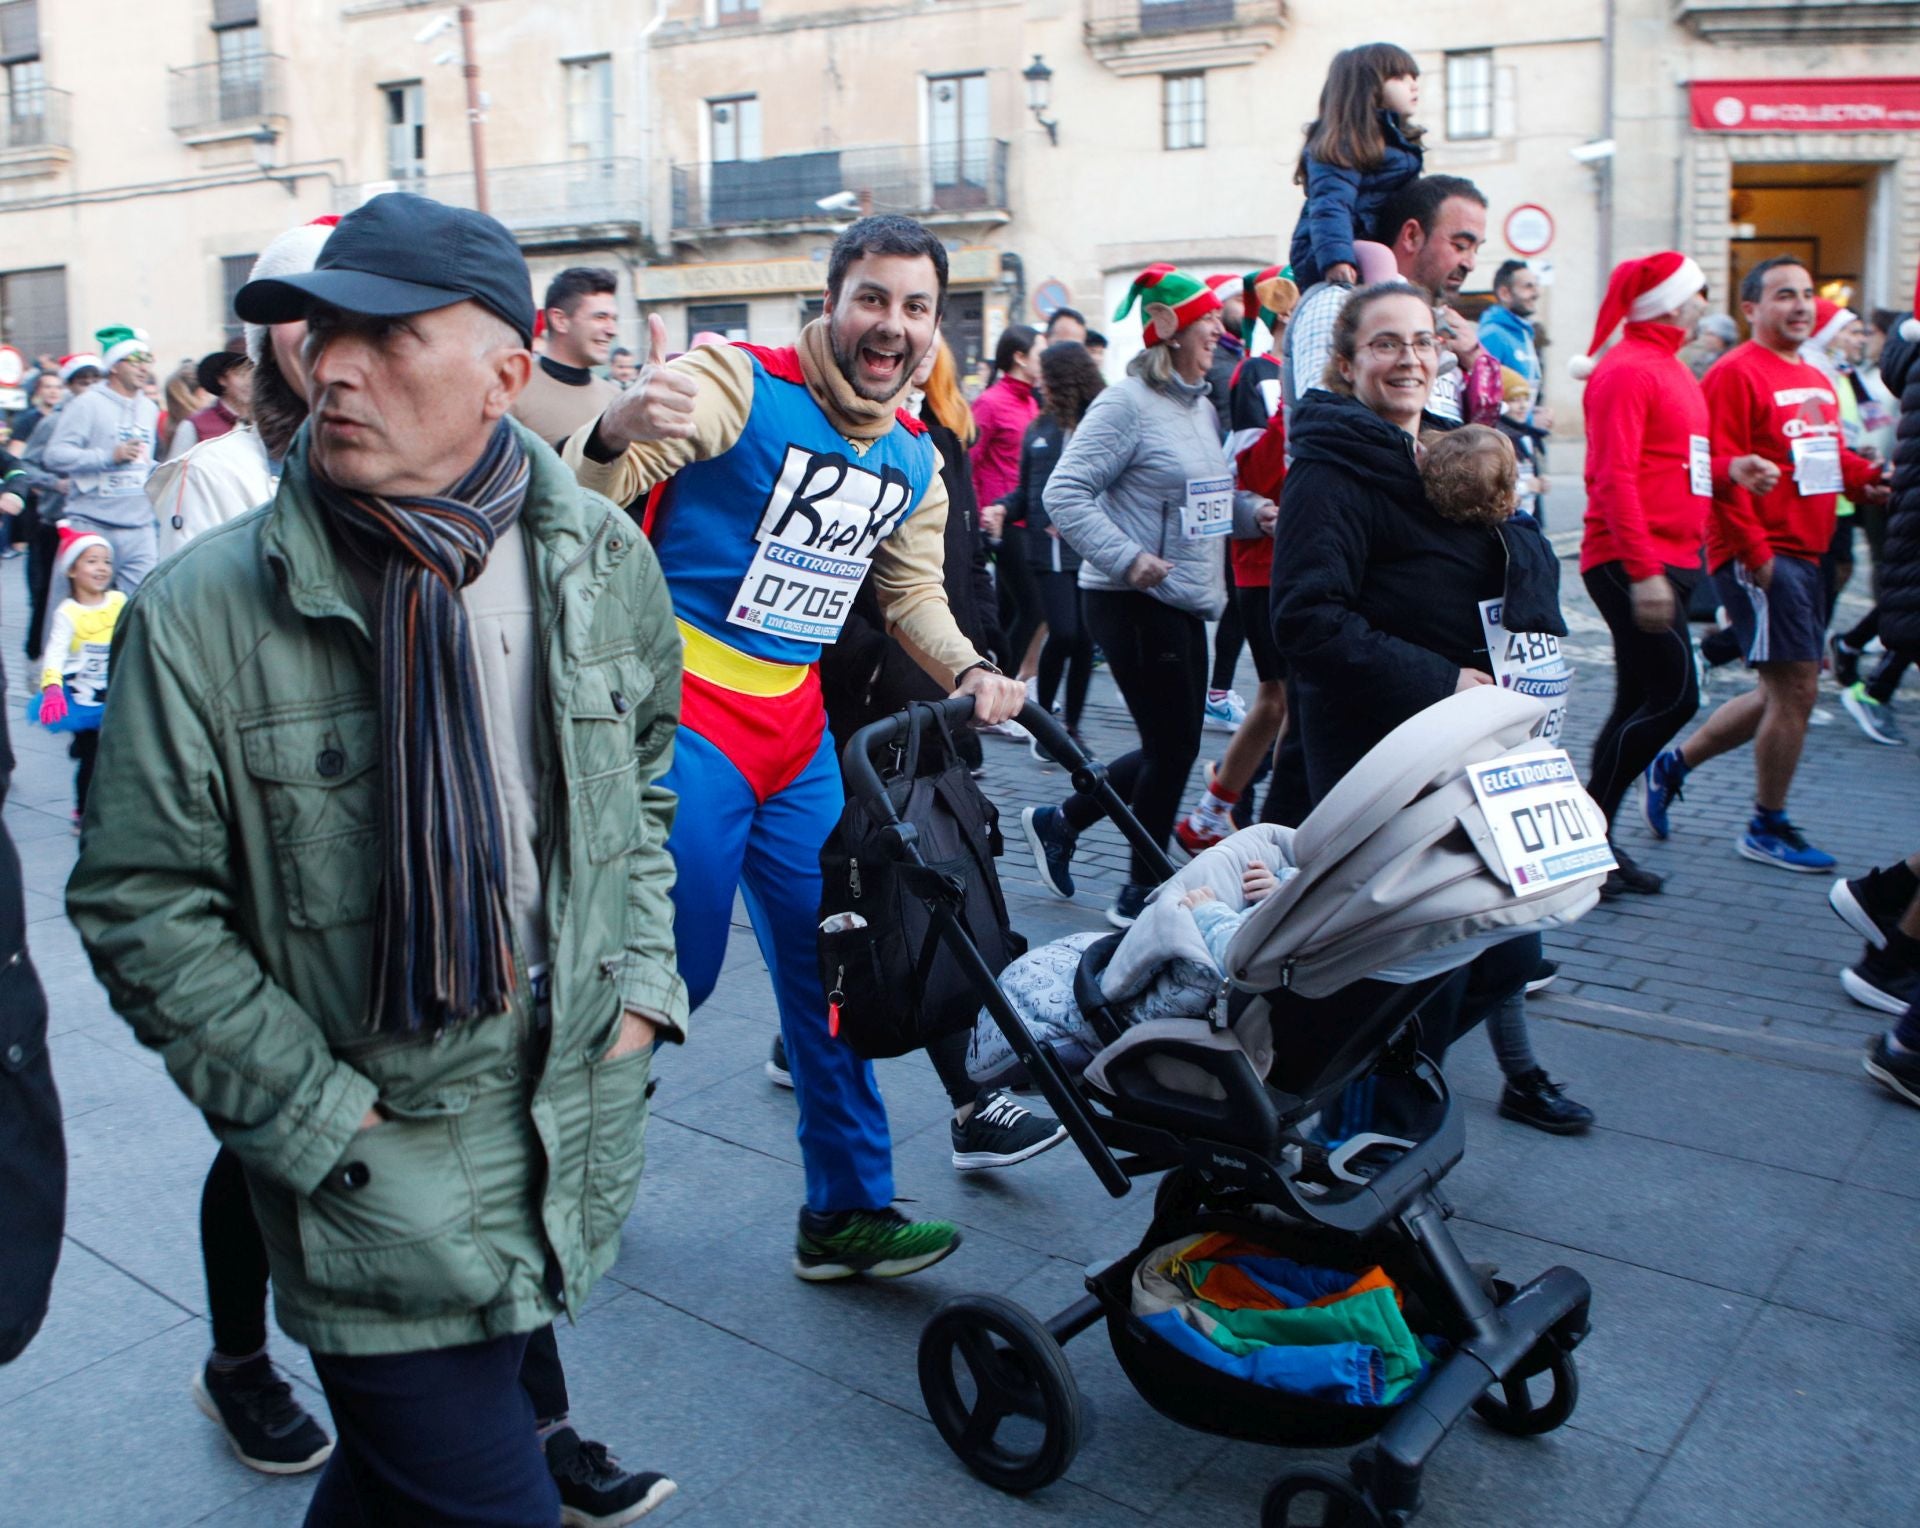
(776, 481)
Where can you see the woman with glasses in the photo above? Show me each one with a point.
(1378, 608)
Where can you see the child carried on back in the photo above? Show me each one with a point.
(1361, 149)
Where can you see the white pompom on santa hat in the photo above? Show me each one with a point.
(1639, 290)
(293, 253)
(1910, 325)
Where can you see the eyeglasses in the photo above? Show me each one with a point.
(1390, 347)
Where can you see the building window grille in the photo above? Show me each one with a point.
(1470, 95)
(1183, 110)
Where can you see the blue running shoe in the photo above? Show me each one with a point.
(1052, 842)
(1664, 776)
(1775, 841)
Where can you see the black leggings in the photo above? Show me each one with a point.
(1069, 648)
(1019, 597)
(1159, 660)
(1229, 636)
(235, 1259)
(1655, 690)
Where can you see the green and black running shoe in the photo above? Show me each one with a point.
(883, 1243)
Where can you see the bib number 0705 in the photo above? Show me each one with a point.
(794, 597)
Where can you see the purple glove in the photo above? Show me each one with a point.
(53, 705)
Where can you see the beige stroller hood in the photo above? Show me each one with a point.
(1398, 875)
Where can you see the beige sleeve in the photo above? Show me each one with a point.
(908, 580)
(725, 377)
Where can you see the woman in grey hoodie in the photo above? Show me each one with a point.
(1144, 494)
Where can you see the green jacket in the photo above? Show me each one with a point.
(226, 888)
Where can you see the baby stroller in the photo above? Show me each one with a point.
(1399, 885)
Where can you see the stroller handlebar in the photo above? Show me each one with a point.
(863, 779)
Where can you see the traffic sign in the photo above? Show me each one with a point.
(1529, 230)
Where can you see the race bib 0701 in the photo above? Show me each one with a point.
(1530, 662)
(815, 542)
(1546, 829)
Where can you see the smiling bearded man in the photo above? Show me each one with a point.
(779, 479)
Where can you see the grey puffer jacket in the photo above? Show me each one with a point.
(1122, 483)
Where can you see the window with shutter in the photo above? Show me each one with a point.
(19, 31)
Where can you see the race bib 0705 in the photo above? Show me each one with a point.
(815, 542)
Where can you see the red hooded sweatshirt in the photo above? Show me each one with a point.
(1644, 411)
(1764, 403)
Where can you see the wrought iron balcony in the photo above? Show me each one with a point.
(818, 187)
(207, 98)
(37, 117)
(545, 205)
(1112, 21)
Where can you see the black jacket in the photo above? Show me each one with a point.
(33, 1158)
(1900, 554)
(1040, 450)
(867, 674)
(1375, 597)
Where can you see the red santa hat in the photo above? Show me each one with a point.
(81, 360)
(1829, 318)
(1639, 290)
(72, 544)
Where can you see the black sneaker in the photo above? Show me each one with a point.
(266, 1427)
(1846, 663)
(1543, 976)
(1629, 879)
(1899, 1070)
(777, 1072)
(1002, 1131)
(1052, 842)
(1872, 904)
(1536, 1099)
(1881, 981)
(595, 1492)
(1128, 905)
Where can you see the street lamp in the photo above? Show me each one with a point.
(1039, 80)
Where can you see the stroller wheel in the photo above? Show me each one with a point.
(999, 1389)
(1341, 1503)
(1517, 1411)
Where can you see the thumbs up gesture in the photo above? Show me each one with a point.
(659, 405)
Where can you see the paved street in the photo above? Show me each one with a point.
(1748, 1213)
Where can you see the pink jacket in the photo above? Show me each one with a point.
(1003, 413)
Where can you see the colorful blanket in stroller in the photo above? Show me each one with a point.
(1238, 1307)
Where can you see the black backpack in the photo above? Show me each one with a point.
(892, 983)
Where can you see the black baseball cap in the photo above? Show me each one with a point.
(400, 253)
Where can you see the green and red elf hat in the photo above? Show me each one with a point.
(1169, 299)
(1266, 297)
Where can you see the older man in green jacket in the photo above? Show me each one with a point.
(376, 862)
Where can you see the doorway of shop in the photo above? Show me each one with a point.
(1821, 214)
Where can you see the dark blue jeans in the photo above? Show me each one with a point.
(433, 1440)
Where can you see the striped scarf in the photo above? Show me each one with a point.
(443, 949)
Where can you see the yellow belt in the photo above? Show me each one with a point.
(711, 659)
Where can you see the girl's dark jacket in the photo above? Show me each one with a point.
(1900, 553)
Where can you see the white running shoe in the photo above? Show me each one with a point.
(1225, 710)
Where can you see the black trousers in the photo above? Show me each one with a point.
(1020, 615)
(1656, 692)
(1229, 636)
(1159, 660)
(1069, 649)
(433, 1440)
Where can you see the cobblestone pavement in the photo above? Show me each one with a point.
(1746, 1211)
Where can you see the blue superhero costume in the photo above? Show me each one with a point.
(763, 547)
